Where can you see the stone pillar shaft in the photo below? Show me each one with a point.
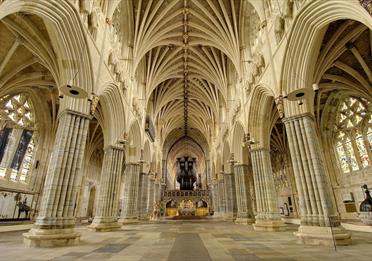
(157, 191)
(264, 184)
(208, 172)
(56, 217)
(151, 189)
(64, 173)
(142, 196)
(131, 180)
(243, 198)
(316, 203)
(215, 199)
(221, 196)
(108, 196)
(267, 218)
(230, 196)
(164, 171)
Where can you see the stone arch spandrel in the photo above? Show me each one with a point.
(300, 59)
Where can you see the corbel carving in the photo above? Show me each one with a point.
(83, 6)
(288, 9)
(94, 104)
(279, 105)
(279, 28)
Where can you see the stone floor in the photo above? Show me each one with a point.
(191, 240)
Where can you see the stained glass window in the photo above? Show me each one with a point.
(18, 125)
(27, 161)
(343, 158)
(350, 154)
(363, 153)
(354, 134)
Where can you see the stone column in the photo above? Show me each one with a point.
(221, 195)
(243, 198)
(106, 217)
(142, 196)
(157, 190)
(150, 193)
(131, 181)
(208, 172)
(164, 171)
(230, 196)
(215, 199)
(267, 218)
(56, 221)
(163, 187)
(320, 222)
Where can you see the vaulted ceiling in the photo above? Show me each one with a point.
(188, 52)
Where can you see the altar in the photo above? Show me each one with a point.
(186, 208)
(186, 204)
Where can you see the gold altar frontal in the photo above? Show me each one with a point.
(186, 203)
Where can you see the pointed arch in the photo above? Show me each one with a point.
(260, 115)
(68, 36)
(133, 150)
(226, 154)
(309, 27)
(237, 142)
(113, 114)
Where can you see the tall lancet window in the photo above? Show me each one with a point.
(354, 134)
(18, 137)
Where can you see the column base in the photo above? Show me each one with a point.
(324, 236)
(127, 221)
(269, 225)
(217, 216)
(51, 237)
(104, 227)
(229, 218)
(154, 219)
(244, 221)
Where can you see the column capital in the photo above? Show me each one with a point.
(232, 161)
(259, 148)
(263, 23)
(220, 175)
(80, 114)
(132, 164)
(298, 116)
(114, 147)
(240, 165)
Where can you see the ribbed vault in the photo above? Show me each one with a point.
(189, 47)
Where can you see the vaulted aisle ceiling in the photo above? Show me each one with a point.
(189, 48)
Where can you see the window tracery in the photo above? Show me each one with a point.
(18, 137)
(353, 129)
